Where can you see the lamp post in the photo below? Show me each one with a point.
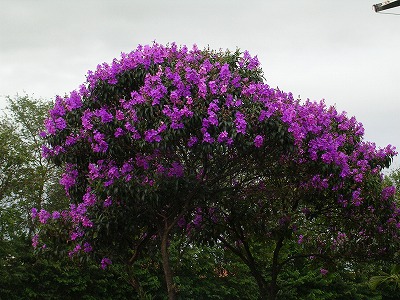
(386, 5)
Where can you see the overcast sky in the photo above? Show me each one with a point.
(340, 51)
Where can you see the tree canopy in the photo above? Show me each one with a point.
(170, 141)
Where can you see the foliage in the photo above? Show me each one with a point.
(26, 178)
(392, 278)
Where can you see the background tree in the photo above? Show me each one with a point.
(27, 180)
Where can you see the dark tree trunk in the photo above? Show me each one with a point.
(169, 280)
(248, 259)
(273, 287)
(251, 263)
(262, 284)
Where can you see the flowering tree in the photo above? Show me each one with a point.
(166, 137)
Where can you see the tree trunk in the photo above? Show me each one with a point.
(262, 284)
(169, 280)
(273, 287)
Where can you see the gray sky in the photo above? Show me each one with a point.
(341, 51)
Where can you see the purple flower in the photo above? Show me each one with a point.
(74, 235)
(300, 240)
(212, 118)
(68, 178)
(388, 192)
(34, 212)
(44, 216)
(35, 241)
(119, 132)
(213, 87)
(87, 247)
(100, 145)
(207, 138)
(113, 172)
(74, 101)
(86, 120)
(176, 170)
(258, 141)
(152, 136)
(105, 262)
(240, 123)
(55, 215)
(192, 141)
(119, 115)
(126, 167)
(356, 197)
(60, 123)
(198, 218)
(50, 126)
(223, 136)
(89, 199)
(71, 140)
(181, 222)
(58, 109)
(225, 73)
(107, 202)
(86, 222)
(323, 272)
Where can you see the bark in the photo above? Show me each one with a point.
(249, 260)
(169, 280)
(251, 263)
(273, 287)
(262, 284)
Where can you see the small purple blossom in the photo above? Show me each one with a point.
(152, 136)
(68, 178)
(388, 192)
(105, 262)
(192, 141)
(55, 215)
(87, 247)
(119, 132)
(104, 115)
(176, 170)
(207, 138)
(300, 240)
(107, 202)
(35, 241)
(44, 215)
(34, 213)
(240, 123)
(181, 222)
(74, 101)
(356, 197)
(60, 123)
(258, 141)
(323, 272)
(223, 137)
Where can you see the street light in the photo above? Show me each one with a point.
(386, 5)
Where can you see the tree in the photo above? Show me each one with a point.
(165, 138)
(26, 180)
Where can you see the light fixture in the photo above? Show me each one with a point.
(386, 5)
